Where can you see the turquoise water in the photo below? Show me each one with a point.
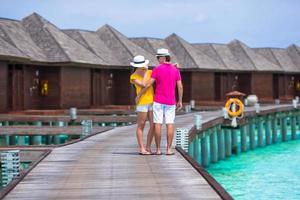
(272, 172)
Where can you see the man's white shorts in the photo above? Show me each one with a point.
(144, 108)
(162, 110)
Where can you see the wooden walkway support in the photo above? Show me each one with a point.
(257, 128)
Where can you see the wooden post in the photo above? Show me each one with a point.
(197, 149)
(260, 132)
(213, 145)
(268, 130)
(244, 134)
(234, 141)
(227, 142)
(293, 127)
(204, 150)
(221, 146)
(48, 139)
(284, 128)
(21, 140)
(56, 138)
(12, 139)
(252, 134)
(298, 119)
(191, 149)
(274, 129)
(3, 140)
(37, 139)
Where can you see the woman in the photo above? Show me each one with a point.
(143, 102)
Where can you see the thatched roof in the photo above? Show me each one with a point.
(92, 42)
(37, 40)
(227, 57)
(294, 52)
(260, 62)
(190, 56)
(122, 47)
(280, 57)
(14, 33)
(209, 50)
(152, 44)
(8, 50)
(58, 46)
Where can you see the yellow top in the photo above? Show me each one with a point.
(147, 97)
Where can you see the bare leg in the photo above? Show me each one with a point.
(150, 132)
(141, 120)
(157, 137)
(170, 136)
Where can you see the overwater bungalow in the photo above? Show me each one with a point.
(44, 67)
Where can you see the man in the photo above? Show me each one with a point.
(166, 76)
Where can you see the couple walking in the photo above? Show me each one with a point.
(157, 107)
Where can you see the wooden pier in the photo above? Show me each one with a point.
(107, 166)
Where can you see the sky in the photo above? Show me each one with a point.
(257, 23)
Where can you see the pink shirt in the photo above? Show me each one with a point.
(166, 75)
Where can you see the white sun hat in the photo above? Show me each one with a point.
(162, 52)
(139, 61)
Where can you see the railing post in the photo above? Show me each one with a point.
(10, 166)
(87, 127)
(56, 138)
(182, 138)
(37, 139)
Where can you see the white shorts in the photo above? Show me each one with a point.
(144, 108)
(162, 110)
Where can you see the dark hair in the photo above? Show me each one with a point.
(168, 58)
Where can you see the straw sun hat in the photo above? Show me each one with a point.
(139, 61)
(162, 52)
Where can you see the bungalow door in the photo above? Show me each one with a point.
(16, 87)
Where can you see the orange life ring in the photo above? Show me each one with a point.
(238, 103)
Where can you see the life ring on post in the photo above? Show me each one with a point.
(239, 107)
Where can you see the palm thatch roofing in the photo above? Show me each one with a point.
(58, 46)
(92, 42)
(122, 47)
(9, 50)
(279, 57)
(191, 56)
(152, 44)
(35, 39)
(14, 33)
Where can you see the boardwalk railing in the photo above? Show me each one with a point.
(220, 141)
